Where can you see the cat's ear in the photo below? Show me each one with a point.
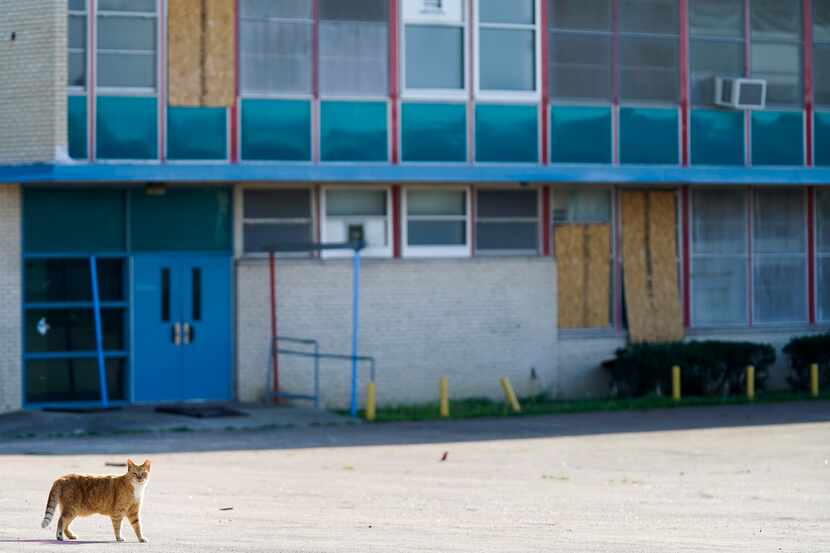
(146, 464)
(130, 463)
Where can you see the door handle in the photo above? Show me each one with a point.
(177, 334)
(188, 333)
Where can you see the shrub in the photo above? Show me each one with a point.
(804, 351)
(708, 367)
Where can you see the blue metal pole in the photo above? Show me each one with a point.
(99, 341)
(355, 326)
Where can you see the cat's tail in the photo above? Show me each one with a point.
(51, 504)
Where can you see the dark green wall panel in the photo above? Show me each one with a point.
(434, 132)
(276, 130)
(580, 134)
(354, 131)
(127, 128)
(197, 133)
(507, 134)
(822, 138)
(717, 137)
(649, 136)
(76, 121)
(777, 138)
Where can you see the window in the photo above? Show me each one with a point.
(434, 45)
(275, 46)
(723, 265)
(583, 246)
(717, 45)
(823, 255)
(649, 50)
(77, 44)
(354, 47)
(580, 49)
(273, 220)
(358, 214)
(507, 222)
(821, 52)
(126, 55)
(776, 48)
(436, 222)
(506, 46)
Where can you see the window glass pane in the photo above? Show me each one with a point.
(436, 233)
(506, 236)
(722, 18)
(719, 223)
(514, 11)
(275, 56)
(821, 20)
(434, 57)
(277, 204)
(126, 70)
(508, 59)
(585, 15)
(355, 202)
(821, 80)
(77, 69)
(436, 202)
(354, 58)
(77, 31)
(73, 380)
(719, 291)
(580, 66)
(276, 237)
(582, 206)
(68, 280)
(127, 5)
(57, 330)
(77, 5)
(649, 16)
(649, 69)
(507, 203)
(710, 59)
(779, 289)
(775, 19)
(354, 10)
(778, 222)
(285, 9)
(780, 64)
(823, 268)
(127, 33)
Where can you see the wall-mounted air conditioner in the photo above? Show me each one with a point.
(740, 93)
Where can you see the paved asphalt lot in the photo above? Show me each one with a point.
(689, 480)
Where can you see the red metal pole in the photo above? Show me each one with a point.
(808, 79)
(684, 82)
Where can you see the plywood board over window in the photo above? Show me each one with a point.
(201, 51)
(652, 293)
(584, 269)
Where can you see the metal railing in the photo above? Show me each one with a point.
(316, 356)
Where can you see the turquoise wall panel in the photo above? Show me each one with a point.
(507, 134)
(76, 121)
(354, 131)
(434, 132)
(580, 134)
(127, 127)
(276, 130)
(717, 137)
(81, 220)
(649, 136)
(197, 133)
(777, 138)
(822, 138)
(181, 219)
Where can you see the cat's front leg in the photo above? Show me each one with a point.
(116, 526)
(135, 521)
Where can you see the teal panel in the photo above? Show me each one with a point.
(649, 136)
(822, 138)
(717, 137)
(777, 138)
(79, 220)
(580, 134)
(354, 131)
(197, 133)
(276, 130)
(181, 219)
(434, 132)
(76, 122)
(127, 127)
(508, 134)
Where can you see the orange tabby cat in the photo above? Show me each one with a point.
(114, 496)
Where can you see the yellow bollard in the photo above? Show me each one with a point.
(814, 380)
(750, 382)
(371, 398)
(510, 395)
(675, 383)
(444, 396)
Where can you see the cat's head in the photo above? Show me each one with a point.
(139, 473)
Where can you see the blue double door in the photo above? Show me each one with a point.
(182, 328)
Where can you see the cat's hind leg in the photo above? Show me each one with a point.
(116, 526)
(63, 526)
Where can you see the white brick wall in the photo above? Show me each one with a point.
(472, 320)
(33, 84)
(10, 299)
